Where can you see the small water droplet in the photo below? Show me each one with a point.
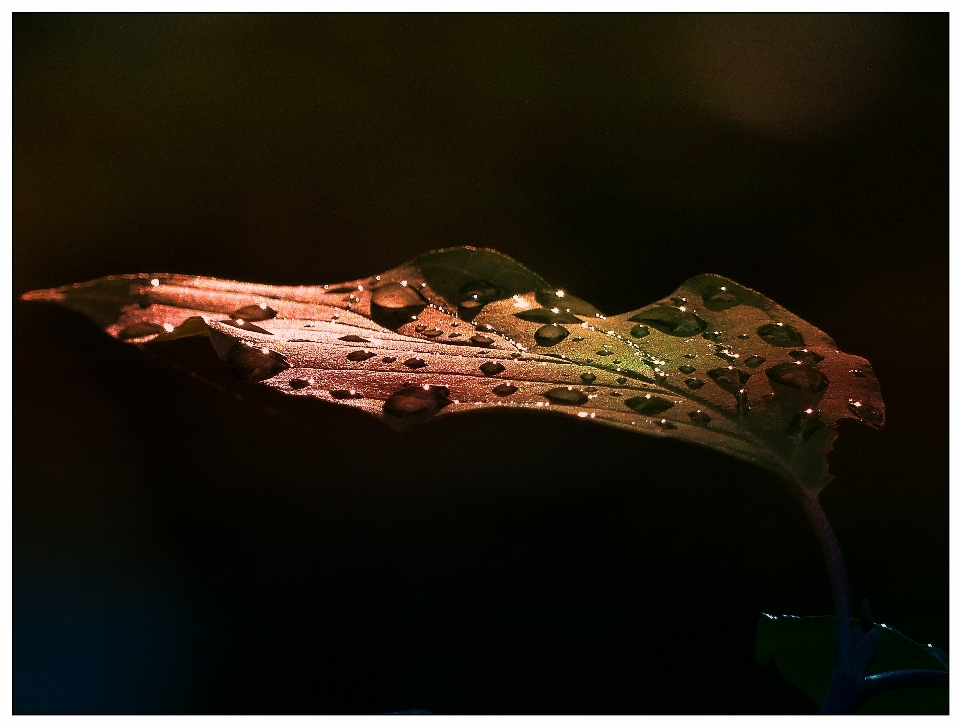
(754, 360)
(604, 352)
(341, 393)
(415, 363)
(254, 313)
(420, 327)
(806, 356)
(297, 383)
(253, 365)
(719, 299)
(649, 405)
(388, 359)
(481, 340)
(454, 335)
(687, 369)
(731, 380)
(241, 324)
(566, 396)
(780, 335)
(550, 334)
(417, 402)
(505, 389)
(743, 336)
(354, 339)
(490, 368)
(515, 355)
(587, 377)
(359, 355)
(699, 417)
(725, 353)
(664, 424)
(639, 331)
(801, 376)
(672, 321)
(433, 333)
(621, 380)
(711, 335)
(139, 330)
(865, 412)
(858, 373)
(590, 389)
(578, 339)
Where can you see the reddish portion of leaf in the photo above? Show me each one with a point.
(455, 330)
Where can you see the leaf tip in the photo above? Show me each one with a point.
(51, 295)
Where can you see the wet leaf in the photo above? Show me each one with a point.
(714, 363)
(803, 650)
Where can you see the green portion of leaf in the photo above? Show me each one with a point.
(740, 374)
(803, 650)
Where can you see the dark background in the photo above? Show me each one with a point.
(180, 550)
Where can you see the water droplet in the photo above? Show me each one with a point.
(587, 377)
(616, 394)
(417, 402)
(491, 368)
(806, 356)
(780, 335)
(604, 352)
(505, 389)
(358, 355)
(804, 424)
(699, 417)
(415, 363)
(689, 355)
(687, 369)
(858, 373)
(664, 424)
(731, 380)
(717, 300)
(672, 321)
(865, 412)
(649, 405)
(566, 396)
(621, 380)
(454, 335)
(515, 355)
(354, 339)
(253, 364)
(254, 313)
(543, 315)
(420, 327)
(590, 389)
(754, 360)
(242, 325)
(341, 393)
(743, 336)
(725, 353)
(393, 304)
(711, 335)
(639, 331)
(566, 302)
(550, 334)
(482, 340)
(139, 330)
(297, 383)
(433, 333)
(578, 339)
(388, 359)
(469, 309)
(798, 375)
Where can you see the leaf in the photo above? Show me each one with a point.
(803, 650)
(460, 329)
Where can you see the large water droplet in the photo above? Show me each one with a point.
(415, 363)
(550, 334)
(865, 412)
(687, 369)
(254, 313)
(754, 360)
(354, 339)
(717, 300)
(804, 424)
(490, 368)
(417, 401)
(672, 321)
(649, 405)
(731, 380)
(806, 356)
(343, 394)
(393, 304)
(699, 417)
(542, 315)
(481, 340)
(297, 383)
(566, 396)
(639, 331)
(693, 383)
(139, 330)
(505, 389)
(798, 375)
(781, 335)
(587, 377)
(253, 365)
(359, 355)
(244, 325)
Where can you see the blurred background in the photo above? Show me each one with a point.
(181, 550)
